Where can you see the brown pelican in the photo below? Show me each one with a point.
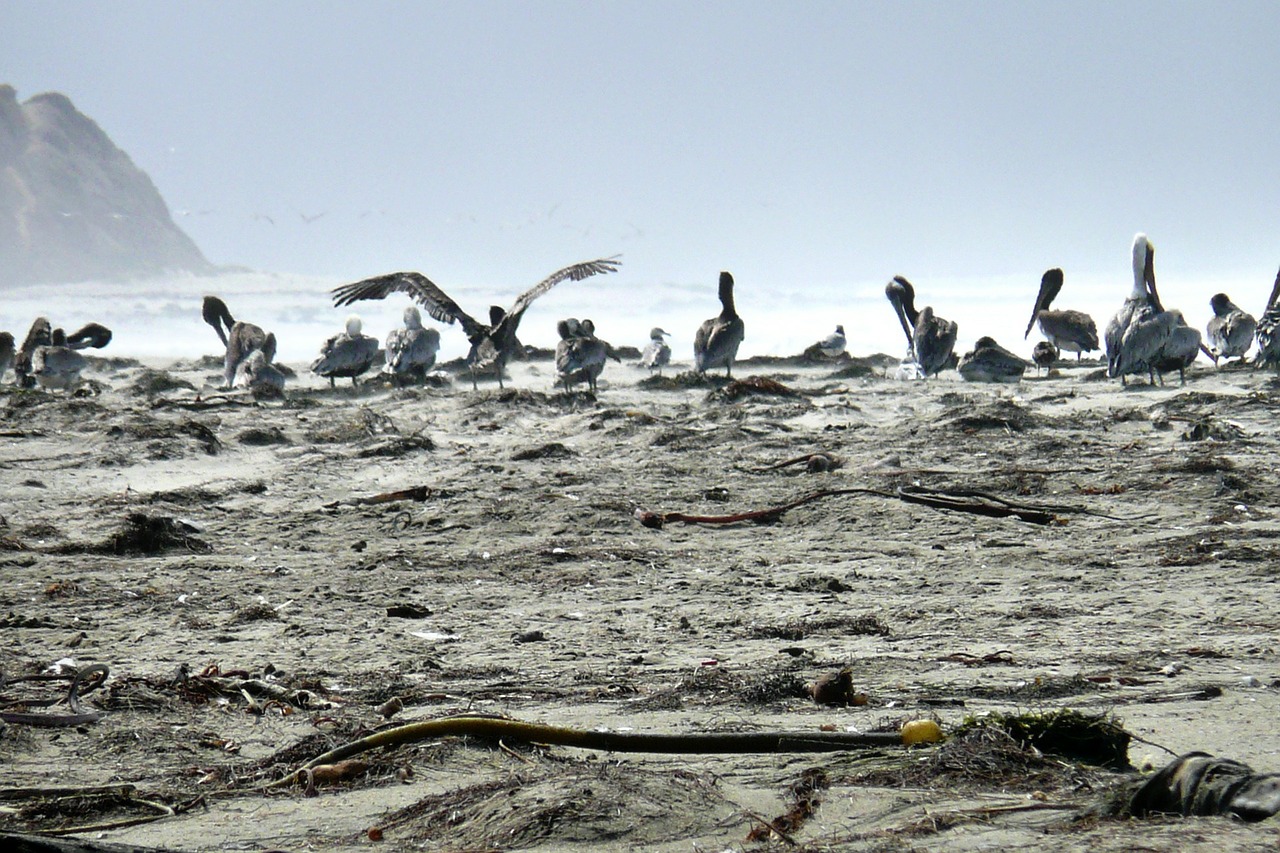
(1074, 331)
(240, 339)
(57, 365)
(930, 339)
(491, 345)
(657, 354)
(39, 335)
(1122, 360)
(833, 344)
(411, 351)
(7, 353)
(258, 374)
(93, 335)
(1183, 343)
(348, 354)
(1269, 330)
(580, 355)
(1044, 355)
(1231, 330)
(718, 339)
(990, 362)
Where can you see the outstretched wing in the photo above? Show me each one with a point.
(417, 286)
(577, 272)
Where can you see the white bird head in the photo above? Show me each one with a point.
(354, 326)
(412, 318)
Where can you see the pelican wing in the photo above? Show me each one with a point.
(415, 285)
(577, 272)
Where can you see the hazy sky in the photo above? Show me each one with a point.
(794, 143)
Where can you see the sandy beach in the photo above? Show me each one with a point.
(222, 558)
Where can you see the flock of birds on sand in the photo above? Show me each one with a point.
(1142, 338)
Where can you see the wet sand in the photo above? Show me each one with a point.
(521, 583)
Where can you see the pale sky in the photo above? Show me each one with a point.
(803, 144)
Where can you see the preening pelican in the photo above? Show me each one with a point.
(990, 362)
(1230, 331)
(492, 344)
(1073, 331)
(1268, 332)
(411, 351)
(657, 354)
(93, 335)
(347, 354)
(580, 355)
(57, 365)
(241, 339)
(931, 339)
(1123, 360)
(717, 340)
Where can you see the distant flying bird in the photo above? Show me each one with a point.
(717, 340)
(1073, 331)
(492, 344)
(990, 362)
(833, 344)
(1230, 331)
(240, 339)
(411, 351)
(930, 338)
(346, 355)
(8, 351)
(1268, 333)
(39, 335)
(657, 354)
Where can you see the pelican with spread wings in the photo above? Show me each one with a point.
(492, 344)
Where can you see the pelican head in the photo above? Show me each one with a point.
(1143, 260)
(587, 329)
(1050, 286)
(354, 326)
(412, 318)
(1221, 304)
(656, 334)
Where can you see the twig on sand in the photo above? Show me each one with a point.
(498, 728)
(415, 493)
(962, 500)
(77, 717)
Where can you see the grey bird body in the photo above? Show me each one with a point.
(411, 351)
(657, 354)
(1268, 331)
(57, 366)
(1152, 340)
(931, 340)
(346, 355)
(8, 352)
(492, 344)
(580, 355)
(1044, 354)
(717, 340)
(241, 339)
(1230, 331)
(990, 362)
(833, 344)
(1073, 331)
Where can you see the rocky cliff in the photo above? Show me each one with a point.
(73, 206)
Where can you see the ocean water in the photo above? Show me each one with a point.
(160, 318)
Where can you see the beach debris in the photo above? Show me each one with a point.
(391, 707)
(83, 680)
(413, 493)
(752, 386)
(1095, 739)
(921, 731)
(551, 450)
(805, 795)
(814, 463)
(332, 774)
(144, 534)
(836, 689)
(1198, 783)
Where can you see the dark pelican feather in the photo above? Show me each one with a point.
(1268, 332)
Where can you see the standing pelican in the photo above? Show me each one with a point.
(1230, 331)
(931, 340)
(39, 335)
(1073, 331)
(717, 340)
(411, 351)
(580, 355)
(7, 353)
(1183, 343)
(491, 345)
(57, 365)
(240, 339)
(1268, 333)
(990, 362)
(1123, 359)
(833, 344)
(348, 354)
(657, 354)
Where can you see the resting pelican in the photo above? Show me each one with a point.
(1073, 331)
(240, 339)
(931, 340)
(1044, 355)
(411, 351)
(1231, 330)
(1183, 343)
(258, 374)
(348, 354)
(718, 339)
(57, 365)
(39, 335)
(93, 335)
(1269, 330)
(580, 355)
(657, 354)
(833, 344)
(990, 362)
(7, 353)
(491, 345)
(1122, 360)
